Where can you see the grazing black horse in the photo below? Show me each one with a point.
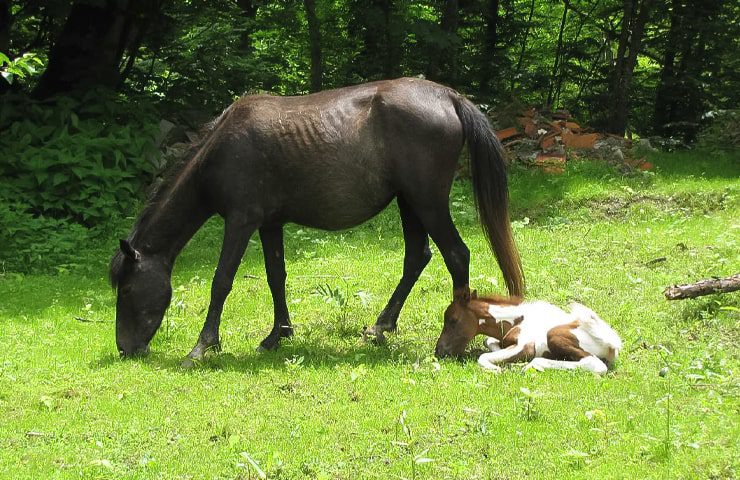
(330, 160)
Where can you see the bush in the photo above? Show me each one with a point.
(32, 243)
(723, 133)
(86, 160)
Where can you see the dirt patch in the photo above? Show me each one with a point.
(688, 203)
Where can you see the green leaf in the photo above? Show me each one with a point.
(58, 179)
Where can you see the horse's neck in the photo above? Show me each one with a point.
(173, 221)
(499, 319)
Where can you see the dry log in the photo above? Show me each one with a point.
(703, 287)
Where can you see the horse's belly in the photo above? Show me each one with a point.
(337, 210)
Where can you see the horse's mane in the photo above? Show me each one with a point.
(162, 191)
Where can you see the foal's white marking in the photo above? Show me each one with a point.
(592, 364)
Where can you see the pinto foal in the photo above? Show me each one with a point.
(536, 332)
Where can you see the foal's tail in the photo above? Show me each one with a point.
(488, 171)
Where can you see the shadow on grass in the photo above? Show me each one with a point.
(289, 356)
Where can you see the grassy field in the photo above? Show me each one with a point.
(326, 405)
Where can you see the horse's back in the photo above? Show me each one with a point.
(334, 159)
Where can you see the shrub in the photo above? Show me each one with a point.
(32, 243)
(723, 131)
(86, 160)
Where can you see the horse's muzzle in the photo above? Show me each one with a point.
(136, 352)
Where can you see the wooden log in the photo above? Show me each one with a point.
(703, 287)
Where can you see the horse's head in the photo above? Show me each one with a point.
(460, 324)
(144, 293)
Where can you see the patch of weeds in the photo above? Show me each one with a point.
(527, 402)
(409, 448)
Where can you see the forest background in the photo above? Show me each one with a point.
(91, 87)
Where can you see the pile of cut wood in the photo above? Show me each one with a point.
(547, 140)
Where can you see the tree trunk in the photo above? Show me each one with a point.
(314, 38)
(665, 94)
(629, 46)
(375, 23)
(489, 63)
(5, 21)
(519, 62)
(448, 24)
(248, 13)
(558, 49)
(88, 51)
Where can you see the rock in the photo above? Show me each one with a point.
(643, 147)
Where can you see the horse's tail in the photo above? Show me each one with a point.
(488, 171)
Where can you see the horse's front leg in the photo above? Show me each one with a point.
(416, 256)
(237, 233)
(272, 245)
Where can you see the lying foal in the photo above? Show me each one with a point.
(536, 332)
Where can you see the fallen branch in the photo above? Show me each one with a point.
(703, 287)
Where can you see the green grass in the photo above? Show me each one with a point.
(327, 405)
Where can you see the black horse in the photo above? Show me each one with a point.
(330, 160)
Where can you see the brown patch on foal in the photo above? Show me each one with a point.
(563, 344)
(511, 337)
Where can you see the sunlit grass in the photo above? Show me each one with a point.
(327, 405)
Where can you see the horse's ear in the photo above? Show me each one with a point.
(461, 295)
(129, 250)
(474, 294)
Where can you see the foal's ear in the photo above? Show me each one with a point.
(129, 250)
(461, 295)
(474, 294)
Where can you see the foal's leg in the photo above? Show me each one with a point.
(514, 353)
(237, 232)
(416, 257)
(590, 363)
(492, 344)
(272, 245)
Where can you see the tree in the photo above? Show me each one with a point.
(91, 45)
(314, 37)
(680, 97)
(442, 64)
(635, 16)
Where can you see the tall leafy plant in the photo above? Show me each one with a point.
(85, 160)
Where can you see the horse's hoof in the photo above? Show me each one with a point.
(268, 344)
(188, 363)
(373, 335)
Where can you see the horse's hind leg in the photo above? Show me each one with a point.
(416, 257)
(237, 232)
(272, 245)
(438, 222)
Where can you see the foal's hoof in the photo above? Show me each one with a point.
(374, 335)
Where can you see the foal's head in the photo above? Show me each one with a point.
(466, 317)
(144, 293)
